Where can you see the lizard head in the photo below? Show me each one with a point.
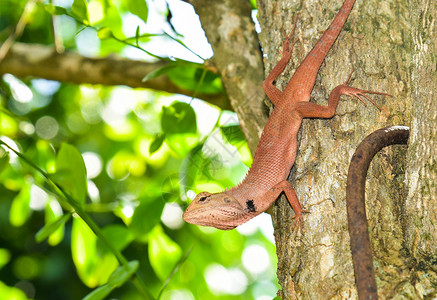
(219, 210)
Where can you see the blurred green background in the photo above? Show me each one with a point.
(146, 153)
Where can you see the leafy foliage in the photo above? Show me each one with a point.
(94, 180)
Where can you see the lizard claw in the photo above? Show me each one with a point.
(358, 93)
(298, 222)
(286, 47)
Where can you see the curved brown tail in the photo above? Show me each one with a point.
(356, 210)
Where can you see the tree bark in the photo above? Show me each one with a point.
(376, 42)
(420, 208)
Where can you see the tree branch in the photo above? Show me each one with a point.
(43, 61)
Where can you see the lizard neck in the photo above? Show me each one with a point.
(248, 194)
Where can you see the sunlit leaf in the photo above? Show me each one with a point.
(80, 10)
(164, 253)
(155, 144)
(138, 8)
(93, 269)
(8, 125)
(9, 292)
(118, 235)
(5, 257)
(146, 216)
(233, 134)
(99, 293)
(20, 210)
(117, 279)
(55, 10)
(179, 117)
(122, 274)
(193, 163)
(71, 172)
(4, 160)
(181, 143)
(104, 33)
(188, 77)
(124, 164)
(50, 228)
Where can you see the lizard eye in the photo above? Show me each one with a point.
(202, 198)
(227, 200)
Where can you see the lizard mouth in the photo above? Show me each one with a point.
(221, 219)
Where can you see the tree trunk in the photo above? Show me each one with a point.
(390, 46)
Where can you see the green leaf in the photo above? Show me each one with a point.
(104, 33)
(118, 235)
(71, 173)
(160, 71)
(191, 166)
(138, 8)
(233, 134)
(5, 257)
(10, 292)
(55, 10)
(20, 210)
(146, 216)
(99, 293)
(122, 274)
(117, 279)
(164, 253)
(188, 77)
(80, 11)
(156, 143)
(93, 269)
(178, 118)
(4, 160)
(50, 228)
(137, 36)
(181, 143)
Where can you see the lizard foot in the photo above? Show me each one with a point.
(298, 222)
(358, 93)
(286, 47)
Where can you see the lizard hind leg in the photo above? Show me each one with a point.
(312, 110)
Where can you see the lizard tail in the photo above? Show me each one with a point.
(307, 72)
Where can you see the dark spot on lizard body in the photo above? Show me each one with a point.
(250, 206)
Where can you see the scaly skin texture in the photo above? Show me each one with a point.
(277, 148)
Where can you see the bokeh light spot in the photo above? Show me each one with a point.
(47, 127)
(26, 267)
(172, 216)
(255, 259)
(20, 91)
(223, 281)
(93, 164)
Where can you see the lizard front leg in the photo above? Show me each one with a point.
(312, 110)
(285, 186)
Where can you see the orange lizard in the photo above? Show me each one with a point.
(277, 148)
